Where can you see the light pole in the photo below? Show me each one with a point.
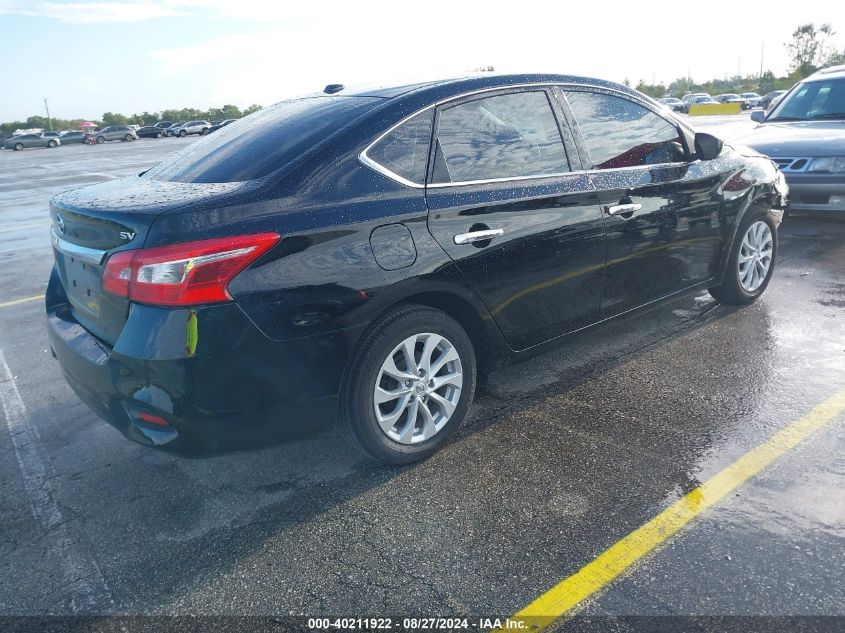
(49, 121)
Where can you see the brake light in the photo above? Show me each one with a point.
(184, 274)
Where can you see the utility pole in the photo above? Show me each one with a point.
(49, 121)
(762, 52)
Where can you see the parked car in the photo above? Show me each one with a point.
(729, 97)
(805, 135)
(697, 100)
(324, 257)
(22, 141)
(214, 128)
(766, 102)
(134, 127)
(55, 135)
(69, 138)
(750, 100)
(164, 124)
(194, 127)
(672, 103)
(173, 129)
(116, 133)
(151, 131)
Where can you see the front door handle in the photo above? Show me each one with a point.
(620, 209)
(478, 236)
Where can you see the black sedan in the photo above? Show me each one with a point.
(151, 131)
(219, 125)
(366, 255)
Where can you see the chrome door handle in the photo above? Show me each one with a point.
(478, 236)
(618, 209)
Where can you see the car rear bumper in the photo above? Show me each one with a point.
(818, 193)
(218, 382)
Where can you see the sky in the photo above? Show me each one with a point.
(88, 58)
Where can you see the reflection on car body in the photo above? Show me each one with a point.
(364, 254)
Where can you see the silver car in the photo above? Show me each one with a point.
(116, 133)
(22, 141)
(805, 135)
(194, 127)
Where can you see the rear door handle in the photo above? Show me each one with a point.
(619, 209)
(478, 236)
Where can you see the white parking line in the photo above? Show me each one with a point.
(87, 590)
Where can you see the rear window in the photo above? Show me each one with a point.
(258, 145)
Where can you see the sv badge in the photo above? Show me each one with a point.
(127, 235)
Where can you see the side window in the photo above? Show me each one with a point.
(621, 133)
(503, 136)
(404, 150)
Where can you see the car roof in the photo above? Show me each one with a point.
(445, 88)
(827, 73)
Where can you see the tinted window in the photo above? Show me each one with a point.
(504, 136)
(262, 143)
(404, 150)
(621, 133)
(824, 99)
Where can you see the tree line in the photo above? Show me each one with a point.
(810, 49)
(144, 118)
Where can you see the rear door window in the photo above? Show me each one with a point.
(621, 133)
(404, 150)
(498, 137)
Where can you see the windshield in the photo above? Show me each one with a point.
(812, 100)
(257, 145)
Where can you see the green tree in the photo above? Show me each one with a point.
(110, 118)
(766, 82)
(253, 108)
(812, 48)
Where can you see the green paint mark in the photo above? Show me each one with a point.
(191, 347)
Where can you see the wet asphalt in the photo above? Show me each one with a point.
(561, 457)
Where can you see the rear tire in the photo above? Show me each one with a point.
(744, 257)
(437, 389)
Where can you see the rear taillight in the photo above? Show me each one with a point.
(184, 274)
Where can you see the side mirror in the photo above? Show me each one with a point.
(758, 116)
(707, 146)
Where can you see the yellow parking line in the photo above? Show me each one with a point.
(19, 301)
(563, 598)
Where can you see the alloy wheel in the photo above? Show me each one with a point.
(755, 256)
(418, 388)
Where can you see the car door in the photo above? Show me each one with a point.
(504, 203)
(662, 210)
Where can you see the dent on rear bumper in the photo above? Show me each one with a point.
(209, 371)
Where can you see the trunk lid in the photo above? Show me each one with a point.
(91, 223)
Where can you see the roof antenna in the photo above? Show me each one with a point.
(333, 88)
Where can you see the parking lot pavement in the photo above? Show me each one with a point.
(727, 127)
(561, 458)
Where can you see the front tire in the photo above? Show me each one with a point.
(52, 144)
(18, 147)
(183, 134)
(101, 139)
(751, 261)
(409, 386)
